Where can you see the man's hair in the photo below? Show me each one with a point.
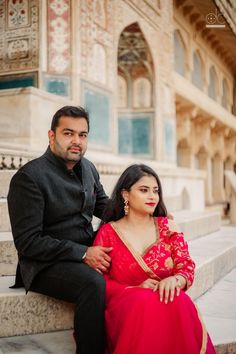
(69, 111)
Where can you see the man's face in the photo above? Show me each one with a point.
(69, 140)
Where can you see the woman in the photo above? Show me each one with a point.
(147, 309)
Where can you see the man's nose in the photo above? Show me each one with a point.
(76, 139)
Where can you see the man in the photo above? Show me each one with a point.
(51, 202)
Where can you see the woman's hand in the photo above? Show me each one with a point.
(168, 287)
(150, 284)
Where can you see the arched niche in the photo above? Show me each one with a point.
(228, 165)
(135, 102)
(225, 94)
(197, 73)
(183, 154)
(142, 91)
(201, 157)
(204, 163)
(218, 178)
(180, 53)
(122, 92)
(213, 83)
(135, 62)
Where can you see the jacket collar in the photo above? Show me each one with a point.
(50, 156)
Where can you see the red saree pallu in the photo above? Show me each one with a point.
(137, 322)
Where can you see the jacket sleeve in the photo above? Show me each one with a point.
(101, 197)
(26, 210)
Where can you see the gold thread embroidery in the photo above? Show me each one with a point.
(135, 254)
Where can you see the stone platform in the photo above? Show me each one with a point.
(217, 307)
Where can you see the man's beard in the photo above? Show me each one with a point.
(67, 156)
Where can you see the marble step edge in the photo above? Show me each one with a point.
(8, 254)
(192, 224)
(14, 304)
(32, 313)
(215, 256)
(218, 310)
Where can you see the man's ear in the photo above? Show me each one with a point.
(51, 135)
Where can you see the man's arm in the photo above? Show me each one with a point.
(26, 210)
(101, 197)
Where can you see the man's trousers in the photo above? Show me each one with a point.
(79, 284)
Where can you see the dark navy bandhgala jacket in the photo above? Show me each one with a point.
(51, 210)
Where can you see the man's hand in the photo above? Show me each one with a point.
(97, 258)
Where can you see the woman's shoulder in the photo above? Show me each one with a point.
(173, 227)
(168, 224)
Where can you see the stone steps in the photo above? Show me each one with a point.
(219, 317)
(215, 256)
(213, 250)
(194, 224)
(218, 310)
(32, 313)
(8, 254)
(21, 314)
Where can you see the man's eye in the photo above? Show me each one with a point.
(68, 133)
(83, 136)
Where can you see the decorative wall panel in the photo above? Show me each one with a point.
(169, 139)
(19, 35)
(21, 80)
(59, 36)
(60, 85)
(97, 41)
(135, 135)
(98, 104)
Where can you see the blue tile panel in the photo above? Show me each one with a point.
(134, 135)
(169, 136)
(98, 104)
(57, 85)
(16, 81)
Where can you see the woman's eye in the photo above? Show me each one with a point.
(143, 190)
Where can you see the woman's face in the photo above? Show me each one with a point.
(143, 196)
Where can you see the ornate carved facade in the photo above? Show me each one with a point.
(158, 79)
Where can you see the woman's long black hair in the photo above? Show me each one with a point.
(115, 206)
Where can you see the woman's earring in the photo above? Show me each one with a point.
(126, 206)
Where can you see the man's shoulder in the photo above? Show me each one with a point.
(88, 164)
(33, 167)
(32, 164)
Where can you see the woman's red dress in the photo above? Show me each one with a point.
(136, 321)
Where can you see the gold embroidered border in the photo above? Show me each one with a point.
(135, 254)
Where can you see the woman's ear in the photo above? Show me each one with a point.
(124, 194)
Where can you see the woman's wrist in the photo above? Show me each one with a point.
(180, 281)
